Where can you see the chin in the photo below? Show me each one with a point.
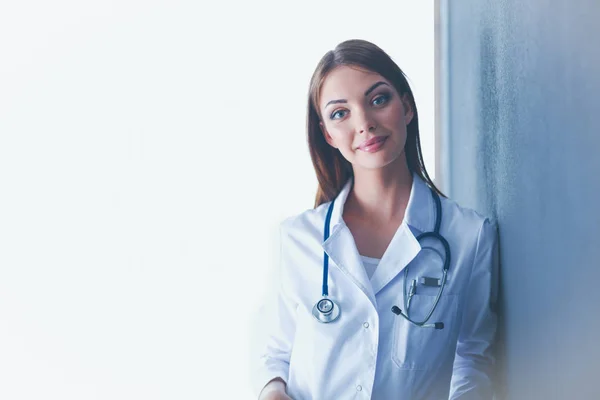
(377, 164)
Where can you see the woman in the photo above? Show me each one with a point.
(368, 306)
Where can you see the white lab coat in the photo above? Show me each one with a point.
(369, 352)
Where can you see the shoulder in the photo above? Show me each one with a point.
(307, 221)
(466, 222)
(300, 241)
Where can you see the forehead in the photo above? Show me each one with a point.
(345, 82)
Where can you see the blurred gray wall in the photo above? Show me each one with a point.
(520, 141)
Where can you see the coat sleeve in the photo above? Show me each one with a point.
(276, 329)
(473, 362)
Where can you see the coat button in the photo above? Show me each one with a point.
(366, 325)
(359, 388)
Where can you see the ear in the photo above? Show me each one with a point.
(408, 110)
(326, 135)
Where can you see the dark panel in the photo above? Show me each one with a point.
(523, 144)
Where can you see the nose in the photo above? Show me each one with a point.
(371, 128)
(365, 123)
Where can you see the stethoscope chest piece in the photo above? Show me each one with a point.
(326, 310)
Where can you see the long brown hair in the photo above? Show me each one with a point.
(332, 169)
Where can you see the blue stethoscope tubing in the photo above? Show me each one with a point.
(326, 310)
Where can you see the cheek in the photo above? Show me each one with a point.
(340, 135)
(393, 117)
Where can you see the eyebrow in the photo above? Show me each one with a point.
(369, 90)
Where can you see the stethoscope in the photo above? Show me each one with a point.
(326, 310)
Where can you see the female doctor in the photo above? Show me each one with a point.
(387, 288)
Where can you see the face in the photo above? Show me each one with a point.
(359, 106)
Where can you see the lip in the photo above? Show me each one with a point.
(372, 144)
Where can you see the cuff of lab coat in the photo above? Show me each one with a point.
(268, 373)
(470, 384)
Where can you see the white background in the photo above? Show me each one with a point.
(148, 151)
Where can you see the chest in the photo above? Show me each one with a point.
(372, 239)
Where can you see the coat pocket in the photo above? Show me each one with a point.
(416, 347)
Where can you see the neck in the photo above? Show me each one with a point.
(380, 195)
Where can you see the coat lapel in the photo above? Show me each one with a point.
(341, 247)
(404, 247)
(342, 250)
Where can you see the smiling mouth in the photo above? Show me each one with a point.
(372, 144)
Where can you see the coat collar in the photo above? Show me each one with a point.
(341, 247)
(420, 210)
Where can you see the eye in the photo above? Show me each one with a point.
(338, 114)
(381, 100)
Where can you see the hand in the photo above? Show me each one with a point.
(274, 390)
(276, 395)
